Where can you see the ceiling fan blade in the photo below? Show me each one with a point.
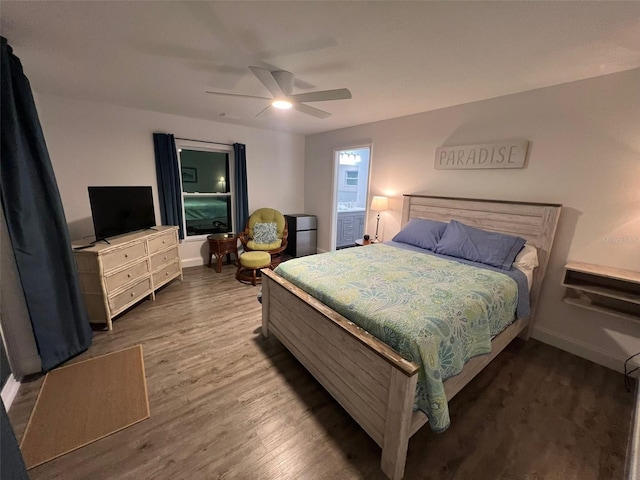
(322, 96)
(268, 81)
(314, 112)
(263, 110)
(237, 95)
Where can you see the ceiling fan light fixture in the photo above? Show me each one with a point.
(282, 104)
(279, 83)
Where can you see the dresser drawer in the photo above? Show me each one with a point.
(130, 295)
(128, 275)
(162, 258)
(123, 256)
(162, 242)
(166, 273)
(348, 220)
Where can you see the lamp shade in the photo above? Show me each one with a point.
(379, 204)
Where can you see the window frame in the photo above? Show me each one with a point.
(206, 147)
(355, 178)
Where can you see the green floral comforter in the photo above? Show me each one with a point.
(437, 313)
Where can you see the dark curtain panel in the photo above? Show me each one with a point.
(241, 192)
(36, 224)
(5, 368)
(11, 462)
(169, 189)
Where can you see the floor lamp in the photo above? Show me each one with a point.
(379, 204)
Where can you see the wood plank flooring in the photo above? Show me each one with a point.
(228, 404)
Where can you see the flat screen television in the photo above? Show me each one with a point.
(118, 210)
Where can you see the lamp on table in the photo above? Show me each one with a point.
(379, 204)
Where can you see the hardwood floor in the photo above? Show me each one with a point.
(228, 404)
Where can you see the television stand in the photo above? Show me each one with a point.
(117, 275)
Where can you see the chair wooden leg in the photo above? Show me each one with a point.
(243, 275)
(275, 260)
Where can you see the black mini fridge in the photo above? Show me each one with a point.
(303, 231)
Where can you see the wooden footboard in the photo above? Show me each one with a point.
(633, 453)
(371, 381)
(374, 384)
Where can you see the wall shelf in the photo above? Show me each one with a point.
(603, 289)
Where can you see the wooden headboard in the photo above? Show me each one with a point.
(535, 222)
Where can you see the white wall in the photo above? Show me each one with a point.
(98, 144)
(584, 153)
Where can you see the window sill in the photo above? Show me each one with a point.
(196, 238)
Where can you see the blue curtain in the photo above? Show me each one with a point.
(36, 223)
(241, 193)
(5, 368)
(13, 467)
(169, 189)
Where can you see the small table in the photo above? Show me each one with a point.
(360, 242)
(221, 244)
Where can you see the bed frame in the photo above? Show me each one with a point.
(371, 381)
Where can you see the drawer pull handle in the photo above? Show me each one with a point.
(166, 273)
(133, 294)
(129, 275)
(126, 255)
(164, 258)
(163, 241)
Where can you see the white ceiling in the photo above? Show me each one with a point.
(397, 58)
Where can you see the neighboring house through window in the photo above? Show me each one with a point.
(207, 189)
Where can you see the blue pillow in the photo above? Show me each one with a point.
(421, 233)
(495, 249)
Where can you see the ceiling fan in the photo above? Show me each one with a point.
(280, 85)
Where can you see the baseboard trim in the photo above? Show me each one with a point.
(9, 391)
(594, 354)
(192, 262)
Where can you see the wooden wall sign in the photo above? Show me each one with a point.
(491, 155)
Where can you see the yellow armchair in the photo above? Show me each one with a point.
(254, 237)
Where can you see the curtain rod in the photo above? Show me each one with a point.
(204, 141)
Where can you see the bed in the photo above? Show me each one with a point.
(372, 381)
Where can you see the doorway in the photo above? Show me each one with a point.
(351, 191)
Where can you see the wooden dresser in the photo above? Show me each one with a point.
(115, 276)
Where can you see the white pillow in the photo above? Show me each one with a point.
(527, 258)
(526, 261)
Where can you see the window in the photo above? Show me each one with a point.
(351, 179)
(207, 198)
